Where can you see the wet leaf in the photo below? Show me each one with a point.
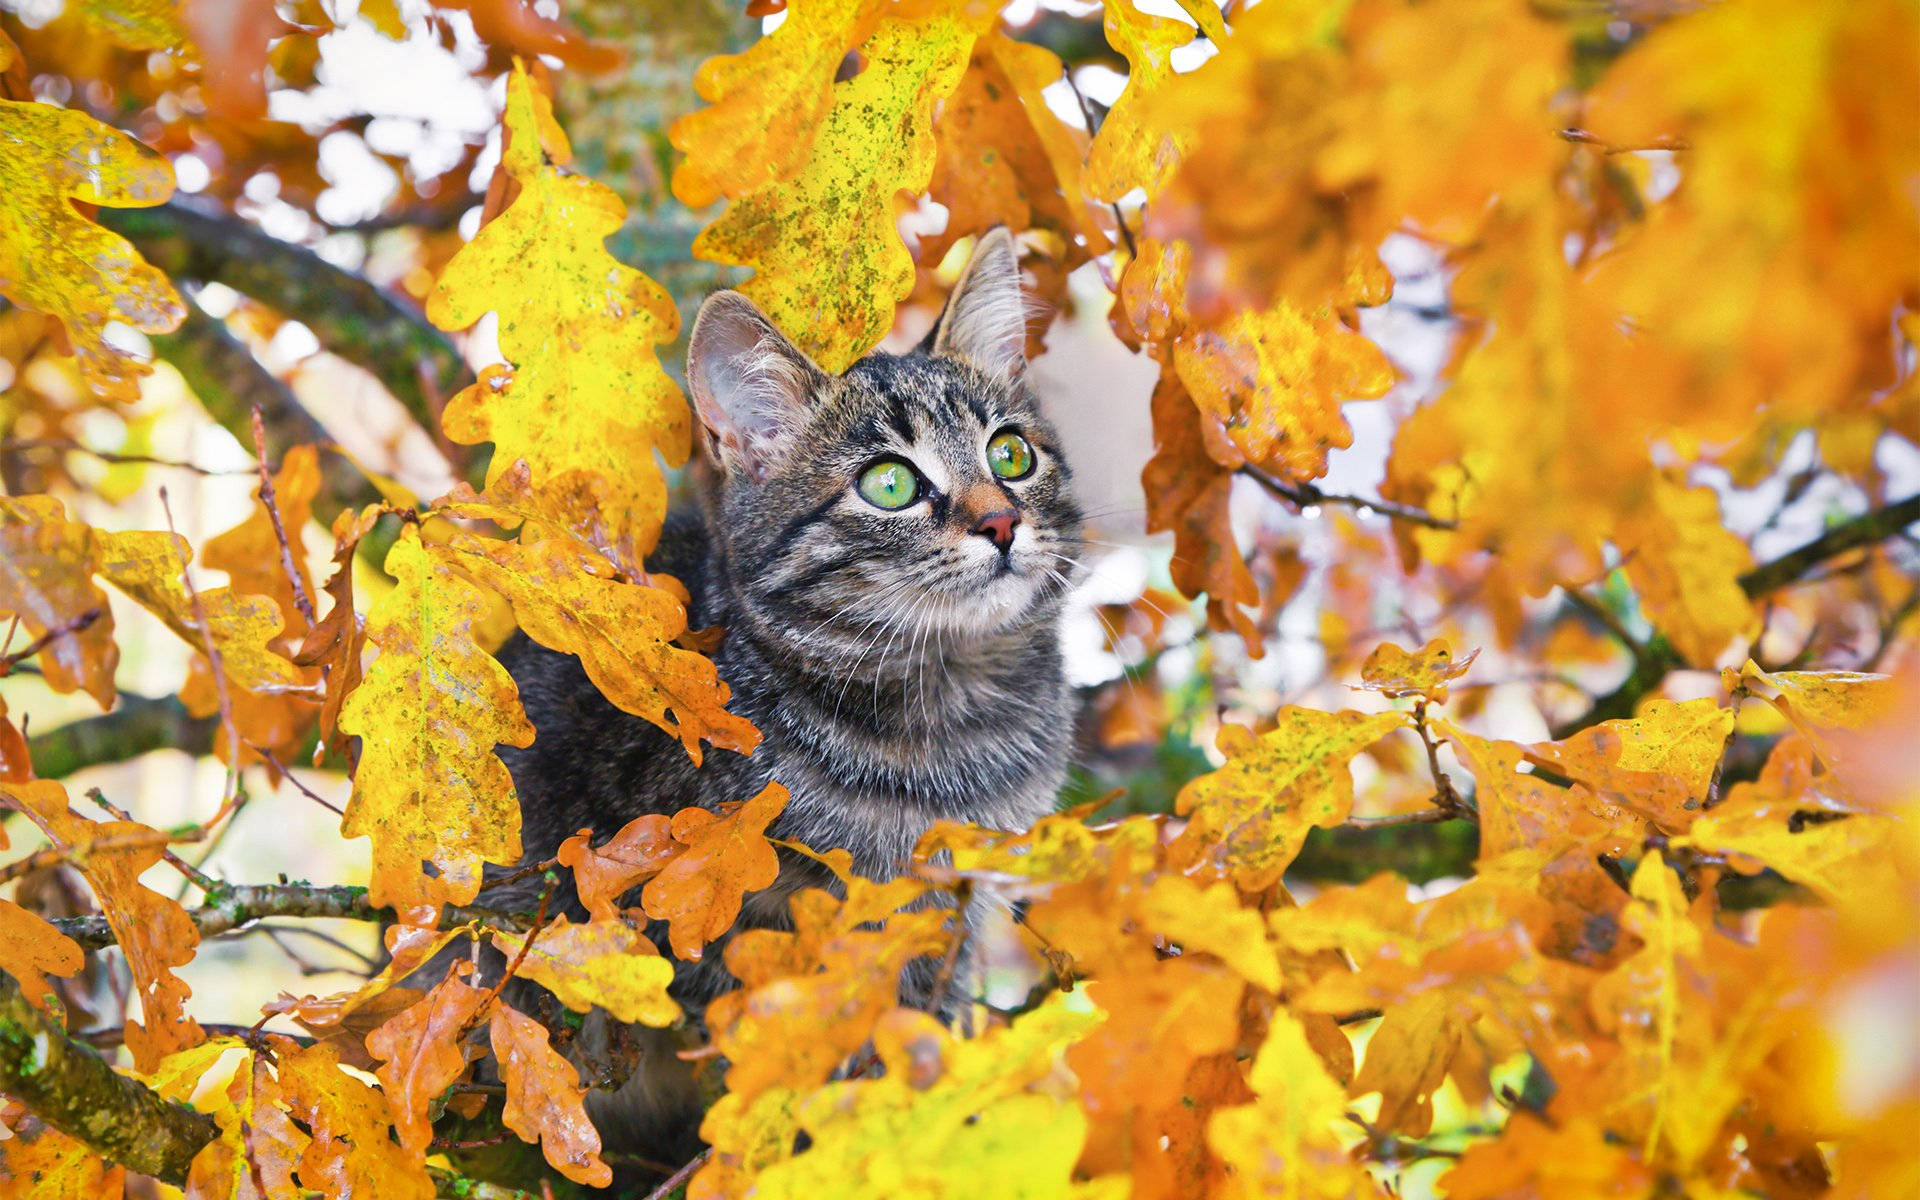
(419, 1057)
(545, 1102)
(46, 580)
(1424, 672)
(602, 963)
(727, 855)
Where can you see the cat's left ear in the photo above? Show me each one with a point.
(985, 322)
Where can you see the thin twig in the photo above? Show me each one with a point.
(267, 756)
(1605, 147)
(231, 794)
(1093, 127)
(493, 993)
(681, 1176)
(1303, 495)
(943, 982)
(300, 598)
(66, 445)
(200, 879)
(65, 629)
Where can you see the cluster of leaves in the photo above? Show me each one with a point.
(1580, 1012)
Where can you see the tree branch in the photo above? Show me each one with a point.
(230, 906)
(231, 383)
(1658, 657)
(1301, 495)
(74, 1091)
(347, 312)
(137, 725)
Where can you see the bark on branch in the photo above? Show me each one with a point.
(347, 312)
(1658, 658)
(73, 1090)
(136, 726)
(232, 905)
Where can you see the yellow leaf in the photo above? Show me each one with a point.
(428, 715)
(1659, 764)
(1407, 1059)
(352, 1152)
(53, 260)
(1827, 706)
(1424, 672)
(147, 567)
(1247, 820)
(1686, 566)
(828, 262)
(601, 964)
(766, 104)
(1276, 379)
(40, 1163)
(1288, 1143)
(1792, 821)
(584, 400)
(623, 633)
(1213, 921)
(949, 1119)
(46, 579)
(1132, 150)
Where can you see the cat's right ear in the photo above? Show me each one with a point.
(751, 386)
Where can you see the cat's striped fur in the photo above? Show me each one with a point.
(901, 666)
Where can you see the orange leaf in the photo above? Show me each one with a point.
(545, 1102)
(604, 873)
(1658, 764)
(351, 1152)
(419, 1057)
(1425, 672)
(699, 893)
(46, 579)
(152, 930)
(30, 949)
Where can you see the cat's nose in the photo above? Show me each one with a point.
(999, 527)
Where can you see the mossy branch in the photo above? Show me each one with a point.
(230, 906)
(73, 1090)
(137, 725)
(348, 314)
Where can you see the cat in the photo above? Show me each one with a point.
(887, 553)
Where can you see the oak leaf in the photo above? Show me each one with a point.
(1423, 672)
(1247, 820)
(1288, 1142)
(153, 931)
(767, 104)
(31, 949)
(601, 964)
(545, 1101)
(351, 1151)
(727, 855)
(1132, 150)
(420, 1056)
(55, 261)
(604, 873)
(1686, 565)
(1534, 1160)
(47, 564)
(584, 400)
(828, 262)
(567, 598)
(38, 1162)
(1659, 764)
(428, 715)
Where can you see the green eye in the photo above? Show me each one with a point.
(889, 484)
(1010, 456)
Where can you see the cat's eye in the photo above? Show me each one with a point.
(1009, 456)
(889, 484)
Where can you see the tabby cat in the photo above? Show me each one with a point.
(887, 552)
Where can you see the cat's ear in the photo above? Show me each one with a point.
(751, 386)
(985, 322)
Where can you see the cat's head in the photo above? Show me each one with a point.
(914, 493)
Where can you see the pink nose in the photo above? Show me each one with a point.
(999, 527)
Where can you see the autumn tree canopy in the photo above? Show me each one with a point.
(1532, 818)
